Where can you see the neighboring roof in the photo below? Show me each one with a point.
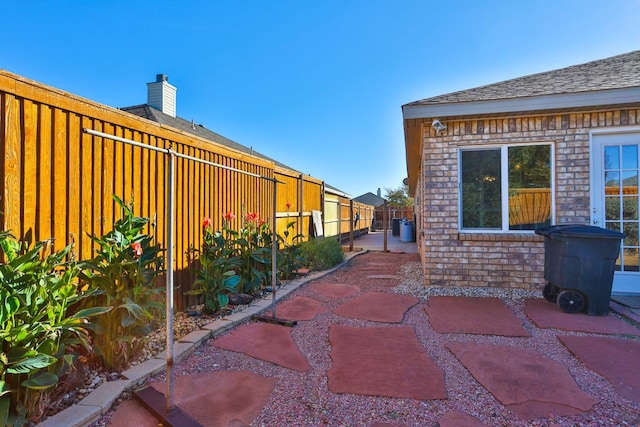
(614, 80)
(370, 199)
(148, 112)
(335, 191)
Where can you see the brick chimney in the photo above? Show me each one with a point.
(161, 95)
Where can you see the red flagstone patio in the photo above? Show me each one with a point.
(377, 307)
(212, 399)
(390, 360)
(334, 290)
(265, 341)
(469, 315)
(529, 384)
(622, 371)
(399, 368)
(548, 315)
(299, 308)
(459, 419)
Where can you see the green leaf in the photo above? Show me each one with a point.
(223, 300)
(11, 304)
(91, 312)
(18, 353)
(5, 405)
(32, 363)
(231, 282)
(4, 388)
(41, 381)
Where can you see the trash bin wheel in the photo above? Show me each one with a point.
(550, 292)
(571, 301)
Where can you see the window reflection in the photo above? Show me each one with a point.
(629, 157)
(612, 157)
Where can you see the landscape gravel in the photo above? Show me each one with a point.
(304, 399)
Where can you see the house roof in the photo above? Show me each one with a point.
(148, 112)
(614, 80)
(596, 84)
(370, 199)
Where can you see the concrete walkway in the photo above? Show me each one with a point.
(374, 241)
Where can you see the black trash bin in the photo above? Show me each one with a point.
(579, 263)
(395, 226)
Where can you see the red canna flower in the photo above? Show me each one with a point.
(252, 216)
(137, 250)
(207, 222)
(229, 216)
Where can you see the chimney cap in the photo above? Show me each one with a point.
(162, 78)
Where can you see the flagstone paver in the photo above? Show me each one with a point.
(472, 315)
(398, 368)
(265, 341)
(529, 384)
(547, 315)
(622, 371)
(377, 306)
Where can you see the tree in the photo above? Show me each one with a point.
(399, 196)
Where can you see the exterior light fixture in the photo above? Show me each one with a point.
(438, 126)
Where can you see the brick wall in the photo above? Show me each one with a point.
(451, 258)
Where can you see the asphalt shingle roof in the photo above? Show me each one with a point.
(617, 72)
(370, 199)
(150, 113)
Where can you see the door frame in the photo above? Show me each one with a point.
(622, 282)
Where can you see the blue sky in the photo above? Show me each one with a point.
(318, 85)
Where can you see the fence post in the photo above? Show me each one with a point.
(385, 227)
(350, 225)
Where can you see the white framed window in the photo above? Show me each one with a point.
(507, 188)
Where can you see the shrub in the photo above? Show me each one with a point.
(216, 276)
(321, 253)
(40, 339)
(289, 258)
(124, 270)
(253, 251)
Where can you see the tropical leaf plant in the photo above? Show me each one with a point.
(40, 337)
(216, 276)
(124, 270)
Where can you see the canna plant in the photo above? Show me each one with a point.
(124, 270)
(217, 276)
(40, 337)
(290, 256)
(253, 250)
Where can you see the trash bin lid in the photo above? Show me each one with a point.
(580, 231)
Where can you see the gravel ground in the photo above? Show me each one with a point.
(304, 399)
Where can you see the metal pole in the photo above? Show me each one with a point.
(351, 221)
(385, 226)
(169, 290)
(274, 252)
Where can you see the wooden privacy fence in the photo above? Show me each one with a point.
(393, 213)
(58, 181)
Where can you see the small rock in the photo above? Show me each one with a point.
(239, 299)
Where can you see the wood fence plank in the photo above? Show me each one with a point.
(79, 210)
(91, 173)
(60, 179)
(29, 173)
(45, 184)
(12, 154)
